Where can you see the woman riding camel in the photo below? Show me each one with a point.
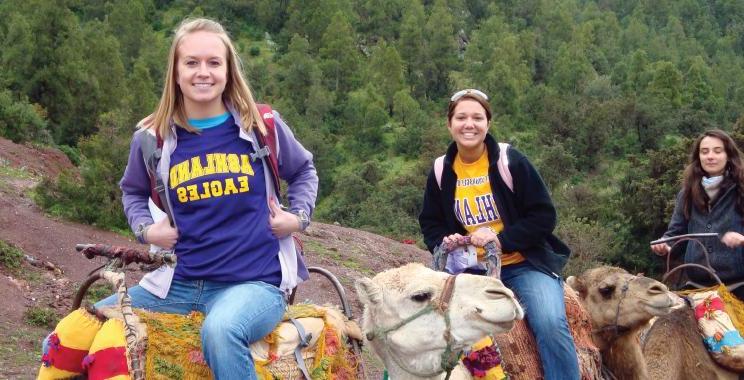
(467, 196)
(712, 200)
(236, 258)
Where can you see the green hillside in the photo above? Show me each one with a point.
(602, 95)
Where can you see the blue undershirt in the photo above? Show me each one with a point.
(209, 122)
(219, 202)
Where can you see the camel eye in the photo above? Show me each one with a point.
(606, 291)
(421, 297)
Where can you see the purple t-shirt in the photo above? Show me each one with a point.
(218, 195)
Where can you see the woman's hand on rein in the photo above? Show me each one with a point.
(483, 236)
(733, 239)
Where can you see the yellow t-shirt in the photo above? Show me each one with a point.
(474, 203)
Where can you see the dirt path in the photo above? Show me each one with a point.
(347, 253)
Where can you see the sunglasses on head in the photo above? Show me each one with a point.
(461, 93)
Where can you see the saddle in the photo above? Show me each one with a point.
(316, 334)
(720, 320)
(519, 349)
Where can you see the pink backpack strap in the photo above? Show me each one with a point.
(503, 166)
(438, 169)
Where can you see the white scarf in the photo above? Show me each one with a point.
(711, 185)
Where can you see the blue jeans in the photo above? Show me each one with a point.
(541, 295)
(237, 314)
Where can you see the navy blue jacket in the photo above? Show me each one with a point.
(528, 213)
(721, 217)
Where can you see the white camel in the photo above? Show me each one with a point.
(411, 318)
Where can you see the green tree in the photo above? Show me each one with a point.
(94, 197)
(386, 72)
(128, 22)
(412, 44)
(440, 51)
(339, 58)
(298, 72)
(21, 121)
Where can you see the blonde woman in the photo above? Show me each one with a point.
(236, 259)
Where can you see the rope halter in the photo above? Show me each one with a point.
(449, 357)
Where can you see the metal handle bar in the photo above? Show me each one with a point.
(674, 238)
(345, 305)
(126, 255)
(692, 238)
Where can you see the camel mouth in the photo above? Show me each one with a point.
(505, 326)
(659, 308)
(500, 323)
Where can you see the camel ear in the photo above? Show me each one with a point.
(369, 293)
(577, 285)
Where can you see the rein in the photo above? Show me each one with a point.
(449, 358)
(616, 329)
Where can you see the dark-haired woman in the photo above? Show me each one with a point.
(467, 196)
(712, 200)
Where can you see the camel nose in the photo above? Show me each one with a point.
(655, 287)
(496, 294)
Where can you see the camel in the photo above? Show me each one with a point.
(404, 307)
(624, 307)
(620, 306)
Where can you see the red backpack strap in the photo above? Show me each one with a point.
(268, 141)
(153, 160)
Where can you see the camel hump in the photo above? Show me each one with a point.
(519, 349)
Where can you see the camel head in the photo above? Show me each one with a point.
(406, 323)
(619, 302)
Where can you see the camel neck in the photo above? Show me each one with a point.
(624, 357)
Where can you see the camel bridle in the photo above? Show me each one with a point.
(614, 330)
(449, 357)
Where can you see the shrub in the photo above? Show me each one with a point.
(10, 256)
(41, 317)
(20, 121)
(72, 153)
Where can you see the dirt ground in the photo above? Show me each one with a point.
(48, 243)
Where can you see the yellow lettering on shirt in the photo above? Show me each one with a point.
(230, 187)
(220, 163)
(216, 187)
(245, 164)
(209, 169)
(205, 191)
(243, 181)
(196, 168)
(233, 163)
(173, 177)
(182, 195)
(475, 206)
(193, 192)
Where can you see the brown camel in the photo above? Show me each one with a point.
(622, 308)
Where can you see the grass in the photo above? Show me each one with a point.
(11, 257)
(337, 257)
(97, 292)
(40, 316)
(20, 350)
(8, 171)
